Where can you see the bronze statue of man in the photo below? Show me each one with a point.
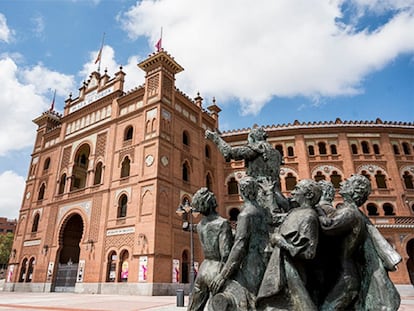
(216, 239)
(262, 162)
(364, 256)
(246, 262)
(284, 283)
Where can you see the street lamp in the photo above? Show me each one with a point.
(188, 210)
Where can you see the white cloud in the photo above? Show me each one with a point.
(26, 93)
(38, 26)
(255, 50)
(44, 80)
(11, 189)
(5, 32)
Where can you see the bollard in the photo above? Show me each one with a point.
(180, 297)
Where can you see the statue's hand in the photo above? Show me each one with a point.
(217, 284)
(325, 221)
(320, 211)
(277, 240)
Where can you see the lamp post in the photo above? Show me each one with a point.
(188, 210)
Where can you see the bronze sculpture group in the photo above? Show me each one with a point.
(290, 254)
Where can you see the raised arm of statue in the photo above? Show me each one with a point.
(236, 153)
(224, 147)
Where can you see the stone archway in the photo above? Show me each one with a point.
(410, 261)
(68, 255)
(185, 267)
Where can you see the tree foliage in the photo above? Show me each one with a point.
(6, 243)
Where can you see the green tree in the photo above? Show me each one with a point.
(6, 243)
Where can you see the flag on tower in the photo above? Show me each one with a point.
(158, 46)
(52, 105)
(98, 58)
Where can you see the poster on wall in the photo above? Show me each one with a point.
(176, 271)
(81, 269)
(124, 271)
(10, 273)
(50, 268)
(143, 267)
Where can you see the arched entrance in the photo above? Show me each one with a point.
(410, 261)
(185, 265)
(68, 255)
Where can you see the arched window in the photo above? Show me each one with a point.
(365, 147)
(41, 192)
(354, 149)
(232, 186)
(98, 174)
(311, 150)
(290, 181)
(333, 149)
(35, 224)
(336, 179)
(30, 270)
(372, 209)
(319, 176)
(209, 182)
(388, 209)
(406, 148)
(290, 151)
(396, 149)
(22, 276)
(62, 184)
(376, 148)
(380, 179)
(124, 266)
(280, 149)
(125, 167)
(186, 172)
(46, 165)
(80, 167)
(207, 152)
(111, 267)
(128, 133)
(186, 138)
(322, 148)
(122, 206)
(408, 180)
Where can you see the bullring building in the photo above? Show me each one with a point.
(105, 179)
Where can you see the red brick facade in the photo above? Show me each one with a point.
(106, 178)
(7, 225)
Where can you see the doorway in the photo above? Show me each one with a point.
(68, 255)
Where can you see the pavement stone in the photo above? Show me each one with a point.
(24, 301)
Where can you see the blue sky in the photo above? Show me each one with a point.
(265, 62)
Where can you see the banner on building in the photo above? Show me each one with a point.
(10, 274)
(143, 267)
(50, 268)
(176, 271)
(81, 269)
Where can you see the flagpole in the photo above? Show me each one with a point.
(100, 53)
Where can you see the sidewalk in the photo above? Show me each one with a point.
(84, 302)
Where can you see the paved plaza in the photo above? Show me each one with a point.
(85, 302)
